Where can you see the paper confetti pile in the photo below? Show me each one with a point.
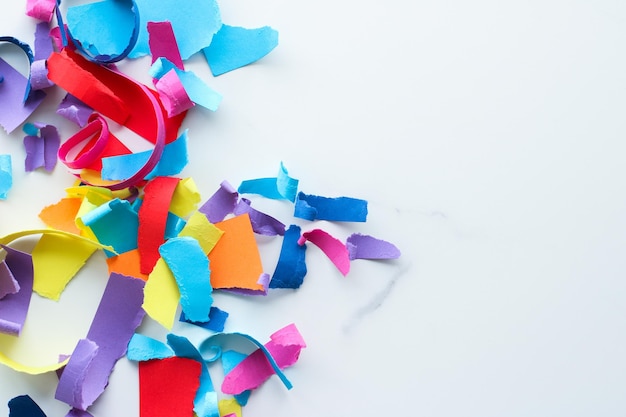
(166, 249)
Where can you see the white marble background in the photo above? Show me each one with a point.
(488, 137)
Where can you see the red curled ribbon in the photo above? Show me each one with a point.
(118, 97)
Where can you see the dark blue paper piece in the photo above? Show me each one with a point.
(216, 322)
(291, 267)
(339, 209)
(24, 406)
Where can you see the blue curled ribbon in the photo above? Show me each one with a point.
(66, 37)
(29, 53)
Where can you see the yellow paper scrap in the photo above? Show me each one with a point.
(32, 370)
(201, 229)
(228, 406)
(161, 295)
(185, 198)
(56, 259)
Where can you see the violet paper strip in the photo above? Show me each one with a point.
(43, 48)
(368, 247)
(118, 316)
(14, 307)
(291, 267)
(262, 224)
(8, 283)
(13, 110)
(74, 110)
(221, 203)
(41, 151)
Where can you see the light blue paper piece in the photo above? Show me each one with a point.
(114, 223)
(282, 187)
(6, 176)
(194, 23)
(205, 403)
(102, 28)
(339, 209)
(190, 266)
(197, 90)
(234, 47)
(230, 359)
(172, 162)
(144, 348)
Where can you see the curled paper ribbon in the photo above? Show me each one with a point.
(4, 359)
(97, 125)
(29, 54)
(59, 63)
(66, 36)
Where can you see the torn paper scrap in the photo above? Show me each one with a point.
(291, 267)
(153, 218)
(230, 359)
(62, 215)
(368, 247)
(6, 175)
(331, 246)
(8, 283)
(43, 48)
(161, 295)
(24, 406)
(127, 263)
(117, 317)
(163, 43)
(14, 307)
(282, 351)
(235, 260)
(262, 223)
(56, 260)
(186, 198)
(278, 188)
(339, 209)
(205, 401)
(215, 323)
(93, 33)
(197, 90)
(194, 23)
(173, 160)
(143, 348)
(13, 110)
(74, 110)
(205, 232)
(173, 94)
(41, 9)
(190, 267)
(115, 224)
(41, 150)
(221, 203)
(234, 47)
(229, 407)
(167, 387)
